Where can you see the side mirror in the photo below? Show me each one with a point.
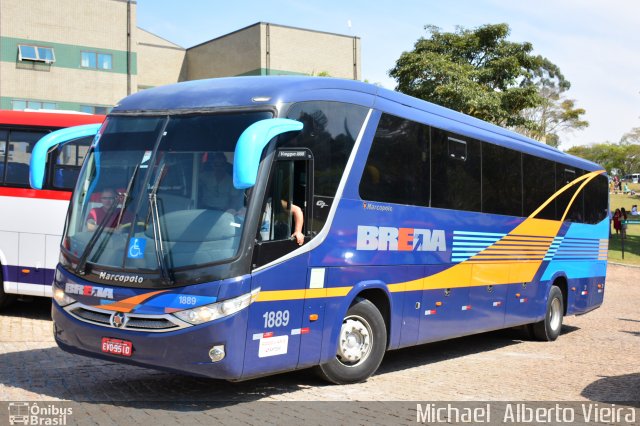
(59, 137)
(250, 145)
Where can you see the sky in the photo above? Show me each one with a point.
(596, 43)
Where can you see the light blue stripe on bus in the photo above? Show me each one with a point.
(465, 244)
(489, 240)
(464, 254)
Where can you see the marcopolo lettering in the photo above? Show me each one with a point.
(89, 290)
(400, 239)
(121, 278)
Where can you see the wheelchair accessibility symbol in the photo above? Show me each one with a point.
(136, 248)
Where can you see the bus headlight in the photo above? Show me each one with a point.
(61, 297)
(217, 310)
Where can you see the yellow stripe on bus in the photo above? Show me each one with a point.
(310, 293)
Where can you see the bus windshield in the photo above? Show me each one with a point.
(156, 193)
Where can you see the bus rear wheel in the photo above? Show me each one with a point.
(361, 345)
(549, 328)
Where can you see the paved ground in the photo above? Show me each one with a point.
(595, 359)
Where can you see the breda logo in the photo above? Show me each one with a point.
(89, 290)
(386, 238)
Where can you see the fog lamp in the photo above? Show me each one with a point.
(217, 353)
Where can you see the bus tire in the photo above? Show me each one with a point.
(5, 299)
(549, 328)
(361, 345)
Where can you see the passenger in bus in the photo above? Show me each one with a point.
(97, 215)
(281, 223)
(298, 221)
(216, 187)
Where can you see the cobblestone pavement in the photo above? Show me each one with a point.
(595, 359)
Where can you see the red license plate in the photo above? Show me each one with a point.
(117, 346)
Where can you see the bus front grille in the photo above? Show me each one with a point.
(128, 321)
(149, 324)
(91, 316)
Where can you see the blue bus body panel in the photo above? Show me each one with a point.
(273, 337)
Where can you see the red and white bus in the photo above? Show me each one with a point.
(31, 221)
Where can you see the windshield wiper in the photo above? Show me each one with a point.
(157, 228)
(103, 225)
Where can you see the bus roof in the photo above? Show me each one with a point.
(273, 90)
(47, 119)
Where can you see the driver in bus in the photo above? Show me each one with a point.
(97, 215)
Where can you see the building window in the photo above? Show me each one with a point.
(104, 61)
(28, 52)
(95, 109)
(101, 61)
(22, 104)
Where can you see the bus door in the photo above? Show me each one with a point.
(276, 321)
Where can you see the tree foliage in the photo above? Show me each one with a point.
(480, 73)
(553, 116)
(624, 158)
(632, 136)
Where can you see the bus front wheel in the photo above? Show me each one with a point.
(361, 345)
(549, 328)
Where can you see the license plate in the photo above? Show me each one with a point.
(116, 346)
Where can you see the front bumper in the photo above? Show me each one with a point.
(184, 351)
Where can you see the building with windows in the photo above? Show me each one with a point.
(87, 55)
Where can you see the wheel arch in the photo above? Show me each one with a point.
(375, 292)
(382, 302)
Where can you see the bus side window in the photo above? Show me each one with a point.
(330, 130)
(65, 161)
(20, 145)
(3, 149)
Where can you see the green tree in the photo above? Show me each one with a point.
(632, 136)
(553, 116)
(625, 158)
(480, 73)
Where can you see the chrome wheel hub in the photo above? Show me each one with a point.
(355, 341)
(556, 314)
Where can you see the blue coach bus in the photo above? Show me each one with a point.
(240, 227)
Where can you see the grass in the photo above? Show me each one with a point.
(632, 241)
